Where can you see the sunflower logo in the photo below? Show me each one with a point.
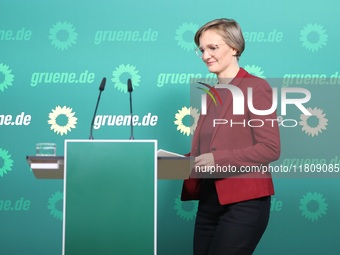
(62, 111)
(184, 213)
(321, 125)
(313, 206)
(308, 35)
(131, 72)
(63, 35)
(186, 130)
(180, 32)
(7, 77)
(52, 202)
(254, 70)
(7, 162)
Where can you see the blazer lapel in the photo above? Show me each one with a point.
(228, 100)
(223, 113)
(195, 139)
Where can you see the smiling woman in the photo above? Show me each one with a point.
(233, 213)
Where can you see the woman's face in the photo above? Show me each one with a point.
(216, 54)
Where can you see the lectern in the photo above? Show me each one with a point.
(110, 195)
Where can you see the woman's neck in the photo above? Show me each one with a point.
(229, 74)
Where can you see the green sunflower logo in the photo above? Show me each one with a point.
(130, 71)
(321, 125)
(62, 112)
(313, 206)
(63, 35)
(254, 70)
(184, 213)
(6, 77)
(181, 31)
(313, 37)
(6, 161)
(181, 114)
(52, 205)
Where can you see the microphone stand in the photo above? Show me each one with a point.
(130, 89)
(101, 88)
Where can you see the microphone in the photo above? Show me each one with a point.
(101, 89)
(130, 89)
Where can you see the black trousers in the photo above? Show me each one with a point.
(233, 229)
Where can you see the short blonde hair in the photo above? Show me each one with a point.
(230, 31)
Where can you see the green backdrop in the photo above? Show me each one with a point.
(54, 54)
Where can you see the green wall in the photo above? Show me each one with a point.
(54, 54)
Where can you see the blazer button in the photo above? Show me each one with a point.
(213, 149)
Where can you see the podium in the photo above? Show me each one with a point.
(110, 194)
(110, 197)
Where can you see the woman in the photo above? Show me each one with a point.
(234, 209)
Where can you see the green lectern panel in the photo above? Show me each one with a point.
(110, 194)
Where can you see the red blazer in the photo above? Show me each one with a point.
(241, 146)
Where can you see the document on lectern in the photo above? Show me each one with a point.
(164, 153)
